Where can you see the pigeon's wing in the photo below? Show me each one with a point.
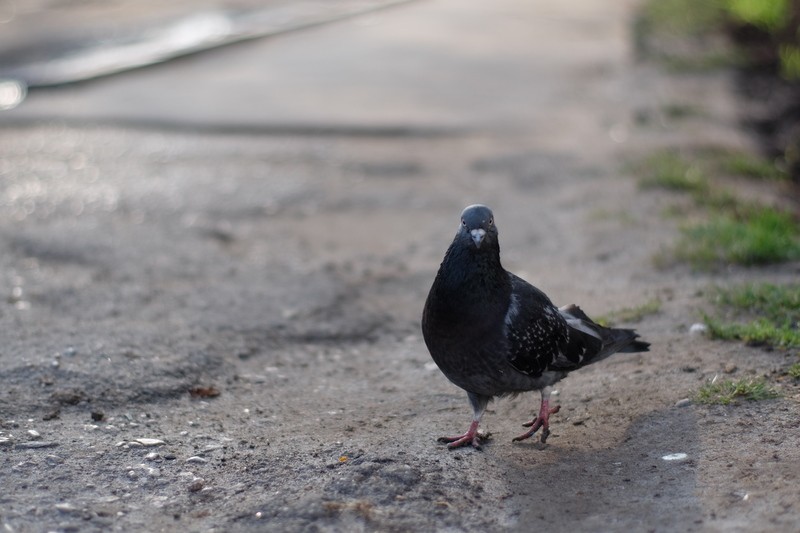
(535, 330)
(543, 337)
(585, 339)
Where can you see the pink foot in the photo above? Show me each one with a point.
(541, 421)
(471, 437)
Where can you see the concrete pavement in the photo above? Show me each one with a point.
(446, 64)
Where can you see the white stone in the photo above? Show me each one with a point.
(150, 442)
(698, 329)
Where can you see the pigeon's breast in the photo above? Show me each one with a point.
(478, 363)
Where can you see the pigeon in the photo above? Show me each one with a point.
(492, 333)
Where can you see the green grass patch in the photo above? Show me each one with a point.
(777, 303)
(758, 332)
(776, 312)
(750, 166)
(759, 237)
(794, 371)
(629, 315)
(727, 391)
(719, 160)
(734, 231)
(669, 170)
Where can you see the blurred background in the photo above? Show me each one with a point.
(759, 38)
(47, 43)
(53, 42)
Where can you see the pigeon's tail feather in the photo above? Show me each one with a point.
(623, 340)
(600, 342)
(636, 347)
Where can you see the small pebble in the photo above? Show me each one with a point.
(730, 368)
(54, 459)
(66, 507)
(196, 485)
(170, 456)
(33, 434)
(698, 329)
(196, 459)
(675, 457)
(5, 441)
(149, 442)
(153, 456)
(683, 403)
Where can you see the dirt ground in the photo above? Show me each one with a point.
(144, 270)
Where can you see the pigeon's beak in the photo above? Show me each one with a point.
(477, 236)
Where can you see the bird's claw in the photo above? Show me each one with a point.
(474, 439)
(528, 434)
(545, 434)
(541, 421)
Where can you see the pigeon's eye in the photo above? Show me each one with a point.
(491, 221)
(463, 222)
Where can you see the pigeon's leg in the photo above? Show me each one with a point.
(472, 436)
(541, 421)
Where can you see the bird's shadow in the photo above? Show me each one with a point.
(627, 486)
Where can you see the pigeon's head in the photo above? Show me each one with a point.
(477, 223)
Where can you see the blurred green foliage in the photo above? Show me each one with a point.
(667, 169)
(682, 17)
(790, 61)
(728, 229)
(769, 15)
(778, 20)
